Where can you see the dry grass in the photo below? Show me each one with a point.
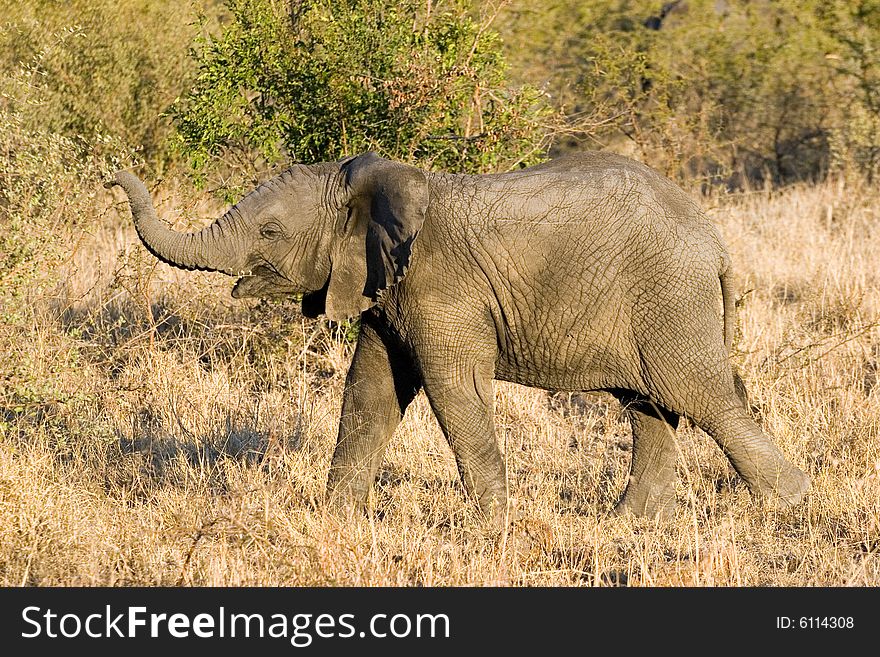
(183, 438)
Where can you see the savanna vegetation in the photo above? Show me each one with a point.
(155, 431)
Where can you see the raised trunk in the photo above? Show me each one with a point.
(205, 249)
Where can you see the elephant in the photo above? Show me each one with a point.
(589, 272)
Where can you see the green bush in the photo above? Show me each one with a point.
(319, 79)
(781, 90)
(47, 187)
(854, 28)
(105, 67)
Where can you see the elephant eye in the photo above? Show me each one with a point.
(271, 231)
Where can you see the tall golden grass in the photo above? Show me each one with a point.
(187, 437)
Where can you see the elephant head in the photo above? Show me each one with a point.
(338, 233)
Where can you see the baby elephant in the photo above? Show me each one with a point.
(588, 272)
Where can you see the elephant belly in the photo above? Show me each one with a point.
(574, 360)
(563, 315)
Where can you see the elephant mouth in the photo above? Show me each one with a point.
(314, 304)
(264, 282)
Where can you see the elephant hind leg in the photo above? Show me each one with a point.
(710, 398)
(685, 367)
(754, 455)
(651, 487)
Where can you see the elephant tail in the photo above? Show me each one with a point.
(728, 300)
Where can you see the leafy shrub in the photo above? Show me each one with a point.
(778, 90)
(48, 187)
(315, 80)
(854, 28)
(105, 67)
(44, 187)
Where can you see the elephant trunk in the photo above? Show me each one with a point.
(202, 249)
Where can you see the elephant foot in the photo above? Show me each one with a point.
(346, 500)
(497, 511)
(784, 491)
(346, 510)
(651, 504)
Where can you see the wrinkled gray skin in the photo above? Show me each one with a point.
(589, 272)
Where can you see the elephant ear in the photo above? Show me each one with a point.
(384, 209)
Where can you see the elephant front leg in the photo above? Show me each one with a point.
(463, 404)
(381, 383)
(651, 487)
